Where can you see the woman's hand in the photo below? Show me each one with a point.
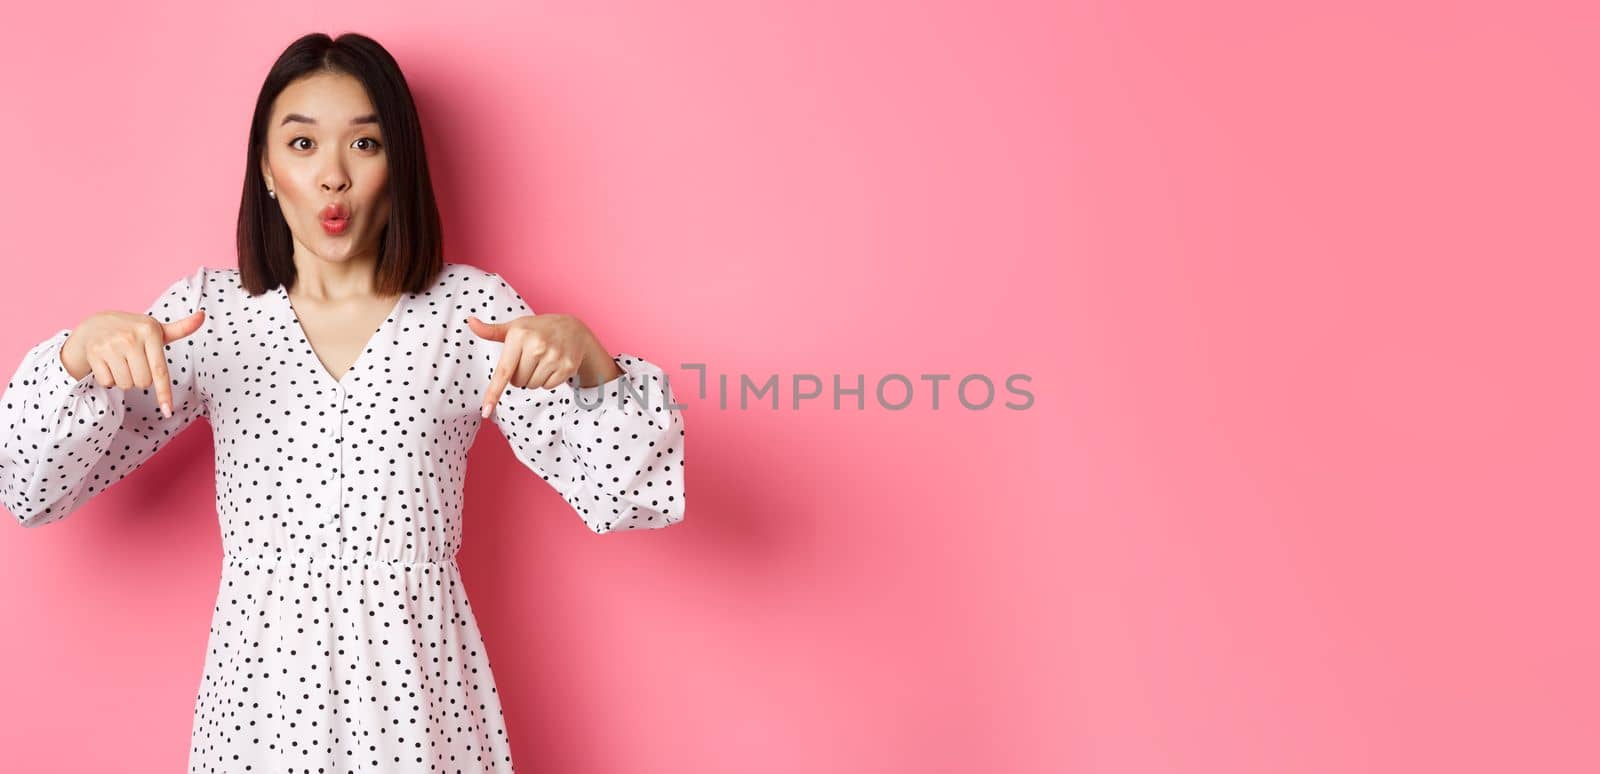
(544, 350)
(127, 350)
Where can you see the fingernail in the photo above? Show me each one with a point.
(166, 410)
(485, 411)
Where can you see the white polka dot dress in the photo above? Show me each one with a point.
(342, 639)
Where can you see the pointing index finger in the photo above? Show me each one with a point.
(155, 352)
(509, 355)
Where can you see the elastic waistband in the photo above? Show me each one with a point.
(328, 562)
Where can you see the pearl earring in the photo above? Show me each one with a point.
(271, 193)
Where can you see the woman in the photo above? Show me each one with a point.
(345, 369)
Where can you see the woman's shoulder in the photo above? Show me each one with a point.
(229, 277)
(205, 280)
(219, 282)
(215, 276)
(466, 273)
(465, 278)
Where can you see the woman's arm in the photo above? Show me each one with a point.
(614, 451)
(63, 440)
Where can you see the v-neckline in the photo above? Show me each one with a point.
(311, 352)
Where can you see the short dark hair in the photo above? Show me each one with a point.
(411, 246)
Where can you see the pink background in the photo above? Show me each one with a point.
(1307, 297)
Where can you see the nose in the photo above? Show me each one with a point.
(332, 177)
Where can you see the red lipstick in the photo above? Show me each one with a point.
(335, 217)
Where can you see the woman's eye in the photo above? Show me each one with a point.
(374, 146)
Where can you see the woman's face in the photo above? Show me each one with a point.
(324, 147)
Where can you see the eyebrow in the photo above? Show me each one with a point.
(370, 118)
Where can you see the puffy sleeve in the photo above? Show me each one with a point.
(613, 451)
(63, 440)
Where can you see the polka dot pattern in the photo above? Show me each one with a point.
(342, 639)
